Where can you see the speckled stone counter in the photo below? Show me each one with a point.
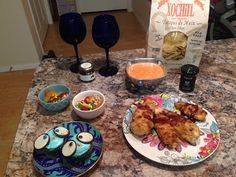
(215, 90)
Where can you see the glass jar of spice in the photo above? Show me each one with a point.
(86, 72)
(188, 77)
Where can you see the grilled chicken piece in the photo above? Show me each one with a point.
(142, 121)
(183, 128)
(163, 123)
(170, 126)
(191, 111)
(150, 103)
(167, 134)
(188, 131)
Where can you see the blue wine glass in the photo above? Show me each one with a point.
(73, 31)
(105, 33)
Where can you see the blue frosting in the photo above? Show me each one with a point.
(81, 149)
(52, 166)
(55, 141)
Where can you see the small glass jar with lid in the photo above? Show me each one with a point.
(86, 72)
(188, 77)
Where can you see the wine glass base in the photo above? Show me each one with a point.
(111, 71)
(74, 68)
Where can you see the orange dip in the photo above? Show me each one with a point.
(145, 71)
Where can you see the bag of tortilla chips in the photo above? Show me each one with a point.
(177, 31)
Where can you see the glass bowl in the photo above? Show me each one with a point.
(143, 75)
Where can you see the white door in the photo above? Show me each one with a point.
(100, 5)
(39, 18)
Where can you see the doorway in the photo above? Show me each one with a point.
(58, 7)
(85, 6)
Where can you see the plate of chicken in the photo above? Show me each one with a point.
(171, 130)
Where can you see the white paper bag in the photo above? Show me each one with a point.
(177, 31)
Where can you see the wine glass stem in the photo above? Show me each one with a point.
(77, 54)
(107, 57)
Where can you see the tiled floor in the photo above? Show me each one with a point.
(14, 85)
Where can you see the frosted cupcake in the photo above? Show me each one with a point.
(51, 141)
(78, 147)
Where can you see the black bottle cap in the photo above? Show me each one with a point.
(189, 69)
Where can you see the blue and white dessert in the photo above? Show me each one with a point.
(52, 140)
(79, 146)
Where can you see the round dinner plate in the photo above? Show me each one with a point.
(152, 148)
(57, 166)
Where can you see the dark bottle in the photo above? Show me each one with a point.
(188, 77)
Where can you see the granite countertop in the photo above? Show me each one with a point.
(215, 90)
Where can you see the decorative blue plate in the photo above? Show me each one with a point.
(56, 165)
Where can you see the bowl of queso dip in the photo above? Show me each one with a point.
(143, 75)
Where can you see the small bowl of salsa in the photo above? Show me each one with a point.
(144, 74)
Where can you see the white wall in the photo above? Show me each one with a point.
(18, 49)
(85, 6)
(141, 9)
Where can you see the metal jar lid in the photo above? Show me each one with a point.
(86, 68)
(189, 69)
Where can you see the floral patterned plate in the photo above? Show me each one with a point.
(57, 166)
(151, 147)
